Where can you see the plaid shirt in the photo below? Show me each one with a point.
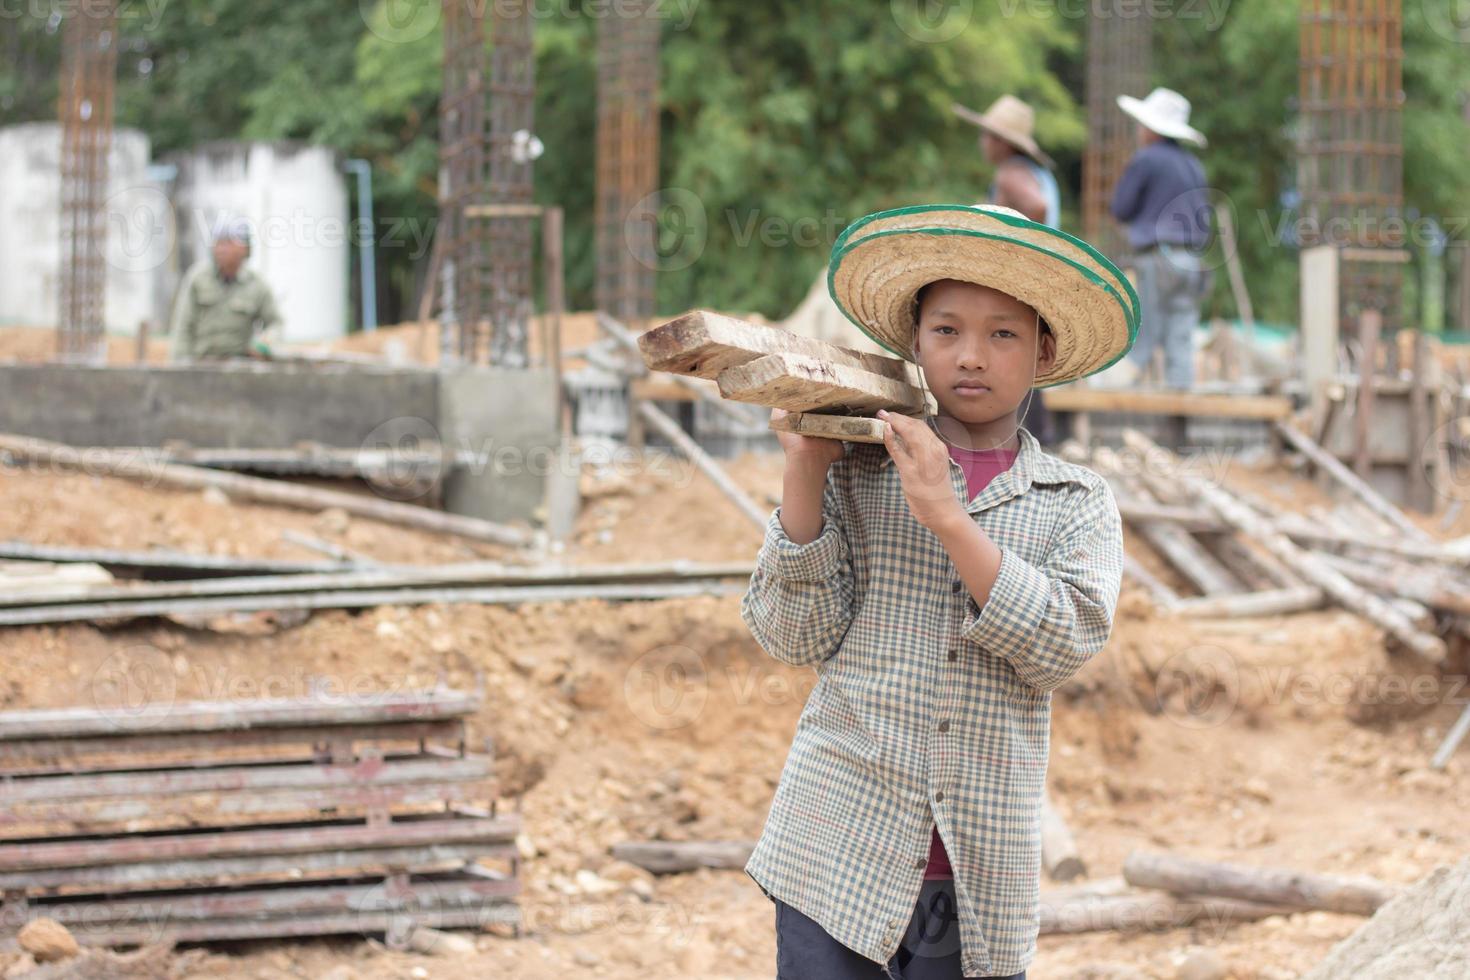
(927, 709)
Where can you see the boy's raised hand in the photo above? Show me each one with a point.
(923, 468)
(807, 449)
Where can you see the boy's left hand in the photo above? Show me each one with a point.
(923, 468)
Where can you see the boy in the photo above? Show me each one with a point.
(904, 837)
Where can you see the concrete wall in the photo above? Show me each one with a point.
(295, 199)
(508, 415)
(139, 230)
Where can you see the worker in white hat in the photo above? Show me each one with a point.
(1162, 198)
(222, 309)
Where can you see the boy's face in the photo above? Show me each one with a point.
(979, 350)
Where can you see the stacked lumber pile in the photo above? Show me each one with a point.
(225, 820)
(826, 388)
(1247, 558)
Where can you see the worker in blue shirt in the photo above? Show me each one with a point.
(1162, 198)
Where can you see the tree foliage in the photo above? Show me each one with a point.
(779, 122)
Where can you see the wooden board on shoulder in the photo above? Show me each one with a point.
(847, 428)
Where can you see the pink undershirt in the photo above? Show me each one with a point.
(980, 466)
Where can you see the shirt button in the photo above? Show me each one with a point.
(921, 864)
(943, 727)
(939, 797)
(956, 587)
(954, 655)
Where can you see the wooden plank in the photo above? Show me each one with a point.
(798, 383)
(1351, 482)
(107, 753)
(1264, 407)
(140, 848)
(1318, 316)
(1309, 566)
(145, 786)
(484, 595)
(672, 857)
(111, 463)
(848, 428)
(670, 430)
(412, 892)
(148, 875)
(466, 573)
(477, 915)
(162, 564)
(46, 818)
(702, 343)
(212, 716)
(1271, 886)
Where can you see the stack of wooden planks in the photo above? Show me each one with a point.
(356, 814)
(827, 389)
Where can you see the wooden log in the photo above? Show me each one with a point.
(1437, 592)
(1059, 854)
(702, 344)
(1309, 566)
(1270, 602)
(1370, 324)
(848, 428)
(673, 857)
(110, 463)
(1147, 912)
(798, 383)
(1351, 482)
(1292, 889)
(670, 430)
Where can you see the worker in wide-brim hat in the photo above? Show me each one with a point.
(1163, 198)
(944, 583)
(1023, 172)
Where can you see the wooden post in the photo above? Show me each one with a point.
(141, 353)
(1271, 886)
(1350, 481)
(427, 296)
(556, 303)
(1370, 324)
(1058, 847)
(1418, 488)
(1319, 320)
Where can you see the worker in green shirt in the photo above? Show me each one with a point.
(222, 309)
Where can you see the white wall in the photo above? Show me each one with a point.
(295, 199)
(138, 239)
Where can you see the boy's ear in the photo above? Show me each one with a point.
(1046, 352)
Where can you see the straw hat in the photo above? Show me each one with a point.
(880, 262)
(1166, 112)
(1012, 120)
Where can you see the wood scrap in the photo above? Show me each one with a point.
(1149, 911)
(800, 383)
(674, 857)
(1272, 886)
(698, 387)
(1308, 565)
(259, 490)
(849, 428)
(1059, 854)
(1351, 482)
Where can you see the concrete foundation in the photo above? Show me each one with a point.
(508, 416)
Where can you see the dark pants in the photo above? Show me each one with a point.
(929, 950)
